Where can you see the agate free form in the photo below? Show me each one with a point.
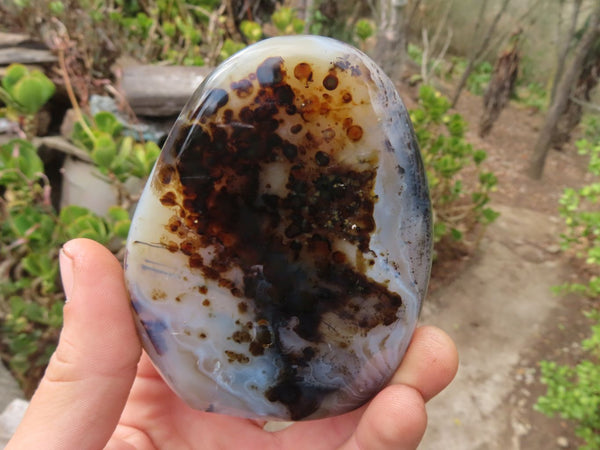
(280, 252)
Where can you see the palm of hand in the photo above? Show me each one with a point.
(98, 393)
(155, 417)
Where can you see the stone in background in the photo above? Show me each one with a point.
(12, 405)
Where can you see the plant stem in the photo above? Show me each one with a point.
(71, 94)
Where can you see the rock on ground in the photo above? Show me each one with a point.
(9, 389)
(12, 405)
(10, 419)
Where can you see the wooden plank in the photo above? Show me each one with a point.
(25, 56)
(160, 91)
(12, 39)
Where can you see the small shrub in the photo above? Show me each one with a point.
(251, 30)
(287, 21)
(479, 79)
(533, 95)
(458, 204)
(415, 53)
(364, 29)
(229, 48)
(581, 212)
(23, 93)
(574, 392)
(115, 155)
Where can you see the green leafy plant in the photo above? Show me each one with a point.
(114, 154)
(31, 234)
(591, 127)
(28, 273)
(533, 95)
(480, 78)
(287, 21)
(581, 212)
(229, 48)
(251, 30)
(364, 29)
(460, 201)
(32, 231)
(415, 53)
(24, 92)
(574, 392)
(332, 25)
(30, 334)
(183, 32)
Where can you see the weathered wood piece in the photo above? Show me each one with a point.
(159, 91)
(12, 39)
(61, 144)
(25, 56)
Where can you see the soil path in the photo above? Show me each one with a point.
(496, 307)
(500, 310)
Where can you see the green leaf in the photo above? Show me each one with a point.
(121, 228)
(169, 29)
(90, 227)
(14, 73)
(143, 158)
(80, 222)
(17, 306)
(252, 31)
(33, 91)
(19, 363)
(36, 313)
(22, 223)
(230, 47)
(80, 137)
(116, 213)
(298, 25)
(55, 316)
(363, 29)
(17, 156)
(104, 151)
(56, 8)
(71, 213)
(31, 264)
(282, 18)
(488, 179)
(439, 230)
(23, 345)
(479, 156)
(489, 215)
(456, 234)
(108, 123)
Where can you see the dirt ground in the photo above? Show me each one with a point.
(499, 308)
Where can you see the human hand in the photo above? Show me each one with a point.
(97, 392)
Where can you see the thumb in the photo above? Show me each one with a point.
(80, 399)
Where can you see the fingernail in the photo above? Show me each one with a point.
(66, 271)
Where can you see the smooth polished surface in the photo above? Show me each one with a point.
(281, 249)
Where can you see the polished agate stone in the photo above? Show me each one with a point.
(280, 252)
